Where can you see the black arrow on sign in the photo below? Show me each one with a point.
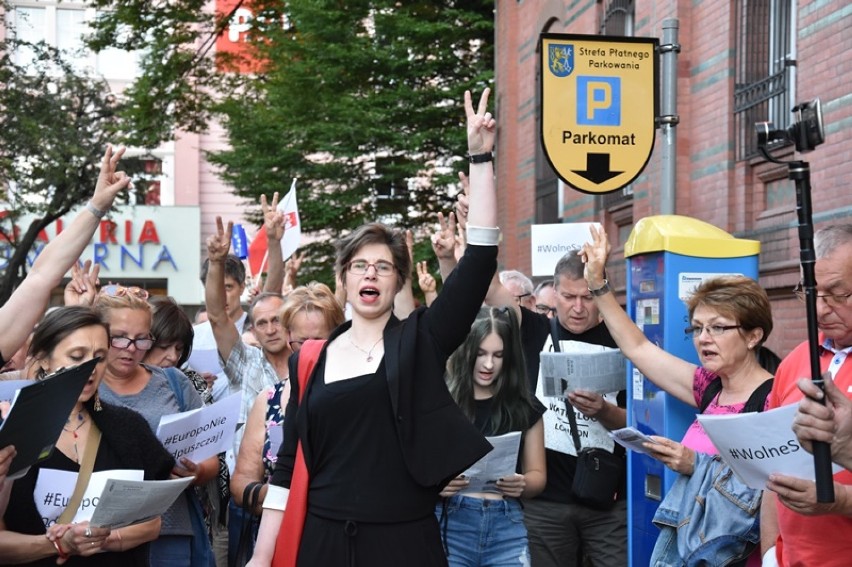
(597, 169)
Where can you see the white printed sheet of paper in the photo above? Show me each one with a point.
(276, 437)
(631, 438)
(602, 372)
(205, 360)
(499, 462)
(128, 502)
(53, 490)
(201, 433)
(756, 445)
(557, 428)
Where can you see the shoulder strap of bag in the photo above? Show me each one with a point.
(86, 467)
(757, 400)
(713, 388)
(308, 356)
(174, 384)
(569, 409)
(755, 403)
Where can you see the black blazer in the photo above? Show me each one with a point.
(438, 442)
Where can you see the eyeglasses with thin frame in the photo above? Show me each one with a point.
(146, 343)
(360, 267)
(712, 330)
(520, 298)
(831, 299)
(545, 309)
(115, 290)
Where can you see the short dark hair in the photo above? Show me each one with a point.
(738, 297)
(171, 325)
(262, 296)
(59, 324)
(375, 233)
(234, 268)
(570, 265)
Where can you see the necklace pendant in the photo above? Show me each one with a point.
(370, 358)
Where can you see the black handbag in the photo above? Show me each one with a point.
(245, 546)
(597, 477)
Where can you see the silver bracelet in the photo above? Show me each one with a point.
(99, 214)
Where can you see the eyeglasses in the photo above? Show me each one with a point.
(712, 330)
(115, 290)
(360, 267)
(125, 342)
(831, 299)
(545, 309)
(520, 298)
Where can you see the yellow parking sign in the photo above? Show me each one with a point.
(598, 108)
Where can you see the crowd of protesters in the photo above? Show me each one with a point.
(363, 414)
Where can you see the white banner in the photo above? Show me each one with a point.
(202, 433)
(549, 242)
(54, 488)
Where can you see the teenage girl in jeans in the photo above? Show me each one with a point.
(487, 379)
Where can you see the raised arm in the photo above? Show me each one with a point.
(427, 282)
(224, 331)
(481, 132)
(443, 242)
(273, 224)
(403, 303)
(25, 307)
(667, 371)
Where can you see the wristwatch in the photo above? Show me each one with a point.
(603, 290)
(480, 158)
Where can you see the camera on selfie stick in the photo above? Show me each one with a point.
(805, 133)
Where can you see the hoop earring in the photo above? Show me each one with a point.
(98, 406)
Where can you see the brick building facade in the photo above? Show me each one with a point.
(740, 62)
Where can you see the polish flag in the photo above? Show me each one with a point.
(259, 247)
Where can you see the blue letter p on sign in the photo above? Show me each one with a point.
(598, 101)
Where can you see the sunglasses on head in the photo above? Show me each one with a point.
(115, 290)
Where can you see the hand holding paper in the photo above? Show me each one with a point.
(756, 445)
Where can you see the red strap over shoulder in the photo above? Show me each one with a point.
(292, 526)
(308, 356)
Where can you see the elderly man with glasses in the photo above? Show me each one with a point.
(795, 529)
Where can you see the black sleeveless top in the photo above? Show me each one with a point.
(358, 472)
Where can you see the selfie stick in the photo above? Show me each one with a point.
(806, 133)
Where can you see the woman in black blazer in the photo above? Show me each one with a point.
(380, 433)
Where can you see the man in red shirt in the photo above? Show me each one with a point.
(804, 532)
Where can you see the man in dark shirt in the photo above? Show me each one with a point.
(562, 530)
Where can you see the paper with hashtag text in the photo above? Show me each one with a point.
(756, 445)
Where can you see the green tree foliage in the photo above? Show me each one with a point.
(352, 97)
(360, 100)
(54, 126)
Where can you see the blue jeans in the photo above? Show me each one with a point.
(171, 551)
(484, 533)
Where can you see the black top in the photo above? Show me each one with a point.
(437, 442)
(354, 468)
(535, 328)
(482, 421)
(126, 443)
